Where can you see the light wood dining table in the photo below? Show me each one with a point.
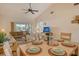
(45, 47)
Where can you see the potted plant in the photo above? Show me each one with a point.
(2, 37)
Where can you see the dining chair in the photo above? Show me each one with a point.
(78, 50)
(38, 39)
(7, 49)
(65, 36)
(15, 49)
(13, 44)
(1, 51)
(28, 38)
(44, 36)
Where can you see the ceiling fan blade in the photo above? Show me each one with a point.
(76, 4)
(30, 9)
(35, 10)
(32, 12)
(30, 6)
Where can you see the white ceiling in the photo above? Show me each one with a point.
(15, 10)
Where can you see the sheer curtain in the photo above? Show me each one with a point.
(39, 26)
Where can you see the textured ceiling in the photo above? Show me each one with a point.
(15, 10)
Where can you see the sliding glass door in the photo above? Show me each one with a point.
(23, 27)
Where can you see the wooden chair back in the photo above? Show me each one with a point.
(65, 36)
(15, 49)
(7, 49)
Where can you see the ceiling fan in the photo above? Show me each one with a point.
(30, 10)
(76, 4)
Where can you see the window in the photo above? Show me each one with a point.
(20, 27)
(23, 27)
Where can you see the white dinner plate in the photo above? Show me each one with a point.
(58, 51)
(33, 50)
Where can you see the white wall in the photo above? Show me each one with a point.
(61, 19)
(0, 22)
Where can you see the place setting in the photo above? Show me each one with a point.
(68, 44)
(33, 50)
(55, 43)
(58, 51)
